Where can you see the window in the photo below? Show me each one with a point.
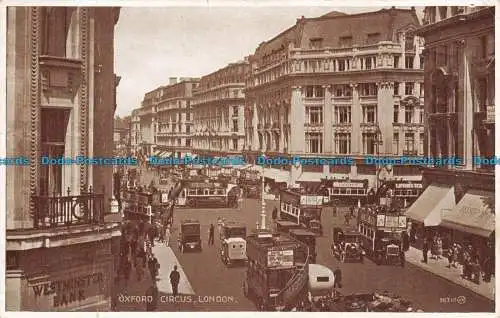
(410, 143)
(341, 65)
(314, 143)
(235, 144)
(421, 116)
(422, 62)
(422, 89)
(421, 144)
(314, 114)
(369, 114)
(55, 27)
(309, 91)
(343, 90)
(396, 114)
(409, 43)
(342, 143)
(345, 41)
(188, 142)
(178, 141)
(442, 12)
(368, 89)
(343, 114)
(319, 91)
(396, 88)
(396, 61)
(369, 62)
(369, 143)
(316, 43)
(482, 95)
(235, 125)
(409, 62)
(235, 110)
(409, 114)
(409, 88)
(395, 144)
(373, 38)
(188, 129)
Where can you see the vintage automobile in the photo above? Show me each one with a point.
(316, 227)
(387, 251)
(346, 245)
(189, 236)
(233, 250)
(233, 229)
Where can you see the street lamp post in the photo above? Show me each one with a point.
(263, 210)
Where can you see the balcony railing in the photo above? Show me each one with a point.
(58, 210)
(410, 152)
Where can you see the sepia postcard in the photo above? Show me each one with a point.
(245, 158)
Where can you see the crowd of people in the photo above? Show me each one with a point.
(476, 266)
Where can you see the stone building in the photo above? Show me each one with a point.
(218, 111)
(459, 111)
(339, 85)
(166, 122)
(61, 91)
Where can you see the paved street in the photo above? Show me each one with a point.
(209, 277)
(427, 291)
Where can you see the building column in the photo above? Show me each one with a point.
(281, 121)
(402, 40)
(297, 114)
(356, 113)
(468, 109)
(255, 121)
(384, 116)
(327, 121)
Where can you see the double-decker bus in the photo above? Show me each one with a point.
(302, 208)
(208, 193)
(381, 229)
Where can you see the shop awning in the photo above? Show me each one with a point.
(431, 204)
(310, 177)
(277, 175)
(474, 214)
(157, 153)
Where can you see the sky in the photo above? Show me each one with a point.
(153, 44)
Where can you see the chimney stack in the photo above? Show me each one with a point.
(172, 80)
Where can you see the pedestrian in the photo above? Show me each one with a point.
(275, 213)
(425, 250)
(154, 267)
(152, 296)
(347, 219)
(211, 235)
(337, 278)
(152, 234)
(167, 235)
(402, 258)
(175, 278)
(219, 225)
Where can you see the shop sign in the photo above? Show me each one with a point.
(408, 186)
(391, 221)
(70, 290)
(348, 185)
(380, 220)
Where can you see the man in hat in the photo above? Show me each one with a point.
(175, 278)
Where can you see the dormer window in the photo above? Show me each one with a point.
(373, 38)
(345, 41)
(316, 43)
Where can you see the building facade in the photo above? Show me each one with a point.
(218, 111)
(61, 91)
(166, 118)
(135, 131)
(339, 85)
(121, 135)
(460, 123)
